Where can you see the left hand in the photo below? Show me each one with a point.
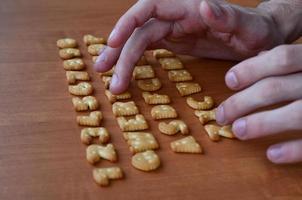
(269, 78)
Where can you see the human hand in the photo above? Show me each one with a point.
(212, 29)
(269, 78)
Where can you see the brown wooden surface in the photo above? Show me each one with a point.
(41, 156)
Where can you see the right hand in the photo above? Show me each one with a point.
(212, 29)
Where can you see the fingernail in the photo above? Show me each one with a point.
(112, 34)
(239, 128)
(114, 80)
(217, 11)
(220, 118)
(102, 57)
(275, 152)
(231, 80)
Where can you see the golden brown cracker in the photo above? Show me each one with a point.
(146, 161)
(188, 88)
(149, 85)
(186, 145)
(93, 119)
(81, 89)
(163, 112)
(138, 123)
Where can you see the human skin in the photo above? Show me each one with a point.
(216, 29)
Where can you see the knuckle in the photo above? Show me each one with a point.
(271, 89)
(283, 55)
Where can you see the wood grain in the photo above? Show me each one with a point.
(41, 156)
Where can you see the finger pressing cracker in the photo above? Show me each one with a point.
(66, 43)
(135, 124)
(81, 89)
(179, 75)
(162, 53)
(163, 112)
(186, 145)
(74, 76)
(85, 103)
(113, 98)
(186, 88)
(143, 72)
(90, 39)
(74, 64)
(106, 80)
(95, 152)
(87, 135)
(102, 176)
(146, 161)
(93, 119)
(69, 53)
(170, 63)
(206, 104)
(173, 127)
(95, 49)
(124, 108)
(140, 141)
(214, 132)
(150, 85)
(205, 116)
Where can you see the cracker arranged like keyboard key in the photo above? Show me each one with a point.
(74, 76)
(146, 161)
(93, 119)
(69, 53)
(140, 141)
(214, 132)
(87, 135)
(173, 127)
(81, 89)
(149, 85)
(188, 88)
(186, 145)
(124, 108)
(113, 98)
(95, 49)
(89, 39)
(143, 72)
(163, 112)
(206, 104)
(95, 152)
(67, 43)
(138, 123)
(179, 75)
(85, 103)
(74, 64)
(102, 176)
(154, 98)
(205, 116)
(170, 63)
(162, 53)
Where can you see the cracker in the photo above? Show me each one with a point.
(74, 76)
(186, 145)
(95, 152)
(163, 112)
(66, 43)
(69, 53)
(150, 85)
(74, 64)
(188, 88)
(94, 59)
(113, 98)
(85, 103)
(89, 39)
(154, 98)
(146, 161)
(142, 61)
(214, 132)
(106, 80)
(81, 89)
(87, 135)
(173, 127)
(205, 116)
(206, 104)
(124, 109)
(179, 75)
(140, 141)
(108, 73)
(162, 53)
(95, 49)
(93, 119)
(135, 124)
(143, 72)
(102, 176)
(226, 131)
(170, 63)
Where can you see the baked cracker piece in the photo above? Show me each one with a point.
(205, 116)
(146, 161)
(69, 53)
(85, 103)
(170, 63)
(179, 75)
(124, 109)
(163, 112)
(95, 49)
(74, 64)
(102, 176)
(214, 132)
(87, 135)
(106, 80)
(186, 145)
(74, 76)
(162, 53)
(188, 88)
(113, 98)
(149, 85)
(173, 127)
(206, 104)
(89, 39)
(155, 98)
(95, 152)
(140, 141)
(93, 119)
(135, 124)
(66, 43)
(143, 72)
(81, 89)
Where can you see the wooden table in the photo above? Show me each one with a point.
(41, 156)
